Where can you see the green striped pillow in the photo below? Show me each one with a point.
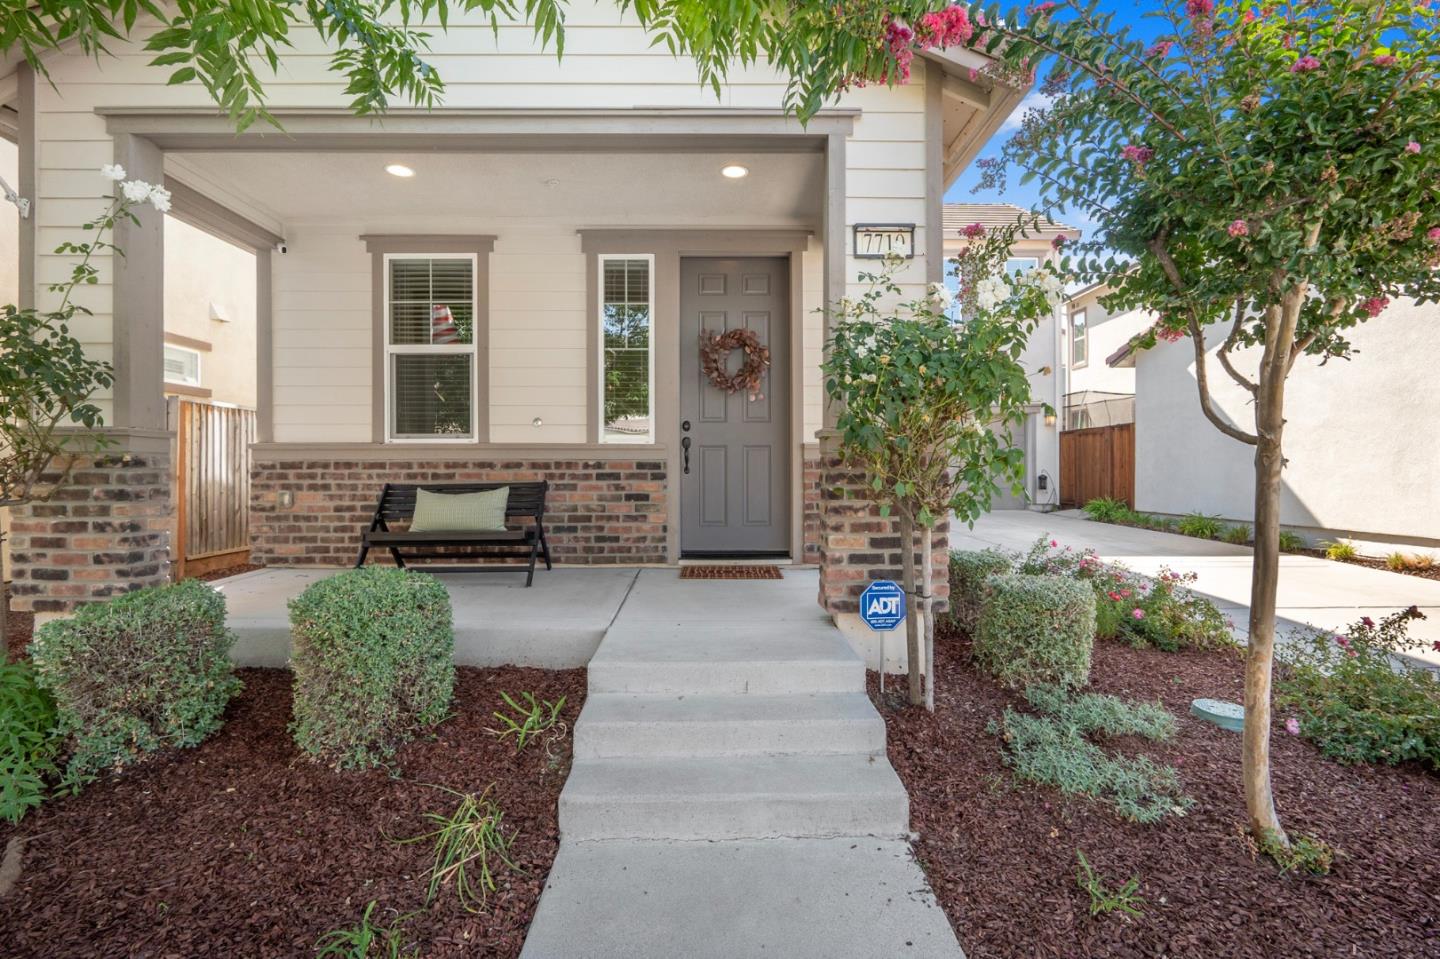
(460, 512)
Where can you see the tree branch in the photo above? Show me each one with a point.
(1223, 355)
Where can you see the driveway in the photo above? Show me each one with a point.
(1313, 591)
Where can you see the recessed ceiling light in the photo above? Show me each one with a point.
(734, 171)
(399, 169)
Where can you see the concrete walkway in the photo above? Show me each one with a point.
(730, 795)
(1313, 591)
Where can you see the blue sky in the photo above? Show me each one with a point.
(1126, 15)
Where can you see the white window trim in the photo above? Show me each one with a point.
(601, 259)
(1085, 340)
(199, 371)
(392, 350)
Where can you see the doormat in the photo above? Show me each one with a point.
(730, 572)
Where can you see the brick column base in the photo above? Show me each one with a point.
(105, 532)
(858, 546)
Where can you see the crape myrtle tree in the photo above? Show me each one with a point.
(1263, 176)
(926, 408)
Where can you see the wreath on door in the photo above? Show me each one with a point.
(715, 349)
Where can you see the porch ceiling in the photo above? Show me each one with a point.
(599, 189)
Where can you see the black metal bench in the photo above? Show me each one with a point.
(397, 504)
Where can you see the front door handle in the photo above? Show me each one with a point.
(685, 446)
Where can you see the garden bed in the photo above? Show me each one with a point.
(1001, 853)
(243, 847)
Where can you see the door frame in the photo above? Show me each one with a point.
(668, 247)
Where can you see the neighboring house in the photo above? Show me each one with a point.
(513, 284)
(210, 291)
(1039, 437)
(1096, 393)
(1361, 442)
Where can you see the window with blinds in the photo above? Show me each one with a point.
(430, 342)
(626, 371)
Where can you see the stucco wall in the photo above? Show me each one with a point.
(201, 272)
(608, 64)
(1108, 332)
(1361, 436)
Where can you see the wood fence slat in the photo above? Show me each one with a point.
(1098, 462)
(214, 481)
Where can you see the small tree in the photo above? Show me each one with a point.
(926, 407)
(1275, 169)
(46, 378)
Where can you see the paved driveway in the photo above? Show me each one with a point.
(1313, 591)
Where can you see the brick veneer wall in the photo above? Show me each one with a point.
(597, 511)
(810, 504)
(858, 545)
(105, 532)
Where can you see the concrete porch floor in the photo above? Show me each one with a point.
(556, 624)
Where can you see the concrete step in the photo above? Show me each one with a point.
(661, 725)
(752, 797)
(784, 898)
(789, 657)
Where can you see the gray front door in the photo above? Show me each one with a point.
(734, 497)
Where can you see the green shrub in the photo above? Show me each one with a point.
(969, 570)
(1200, 525)
(1093, 713)
(146, 671)
(29, 741)
(1045, 750)
(1291, 542)
(1340, 551)
(1304, 852)
(1238, 535)
(1107, 510)
(1124, 899)
(373, 654)
(1401, 563)
(1357, 700)
(1036, 629)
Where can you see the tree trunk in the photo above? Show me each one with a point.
(912, 634)
(927, 612)
(1264, 580)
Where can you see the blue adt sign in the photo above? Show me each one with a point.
(882, 605)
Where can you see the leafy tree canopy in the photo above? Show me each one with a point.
(380, 46)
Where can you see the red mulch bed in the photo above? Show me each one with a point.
(225, 571)
(18, 627)
(1424, 572)
(1000, 852)
(241, 847)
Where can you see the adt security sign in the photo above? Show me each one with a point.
(882, 605)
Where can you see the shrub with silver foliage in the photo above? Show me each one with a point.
(969, 571)
(1036, 629)
(146, 671)
(373, 653)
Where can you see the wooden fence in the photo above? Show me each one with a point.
(212, 483)
(1098, 462)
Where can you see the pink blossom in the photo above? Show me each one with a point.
(1412, 147)
(1436, 645)
(1305, 64)
(1249, 17)
(1200, 8)
(1041, 8)
(1367, 622)
(1375, 305)
(1058, 242)
(1342, 641)
(1292, 726)
(948, 27)
(1054, 543)
(973, 232)
(1238, 228)
(1385, 60)
(1160, 49)
(1433, 234)
(1139, 155)
(1114, 596)
(1138, 613)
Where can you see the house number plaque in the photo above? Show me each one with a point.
(874, 241)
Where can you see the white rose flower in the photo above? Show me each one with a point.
(160, 199)
(113, 171)
(940, 295)
(136, 191)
